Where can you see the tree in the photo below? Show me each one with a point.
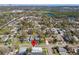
(55, 40)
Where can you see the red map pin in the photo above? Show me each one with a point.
(34, 42)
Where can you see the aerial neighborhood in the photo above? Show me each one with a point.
(39, 30)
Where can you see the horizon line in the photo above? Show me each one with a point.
(39, 4)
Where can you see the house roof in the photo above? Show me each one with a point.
(62, 50)
(22, 49)
(36, 49)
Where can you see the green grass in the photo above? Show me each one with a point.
(3, 31)
(45, 51)
(41, 42)
(66, 13)
(18, 43)
(26, 43)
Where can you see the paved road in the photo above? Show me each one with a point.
(8, 23)
(49, 50)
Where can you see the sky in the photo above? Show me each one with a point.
(39, 1)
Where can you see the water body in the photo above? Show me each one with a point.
(49, 14)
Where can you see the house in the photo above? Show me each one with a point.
(36, 37)
(78, 51)
(4, 37)
(62, 51)
(75, 49)
(14, 30)
(54, 30)
(22, 51)
(76, 38)
(67, 38)
(37, 51)
(61, 32)
(59, 38)
(31, 37)
(27, 39)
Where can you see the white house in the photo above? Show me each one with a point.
(22, 50)
(37, 51)
(75, 37)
